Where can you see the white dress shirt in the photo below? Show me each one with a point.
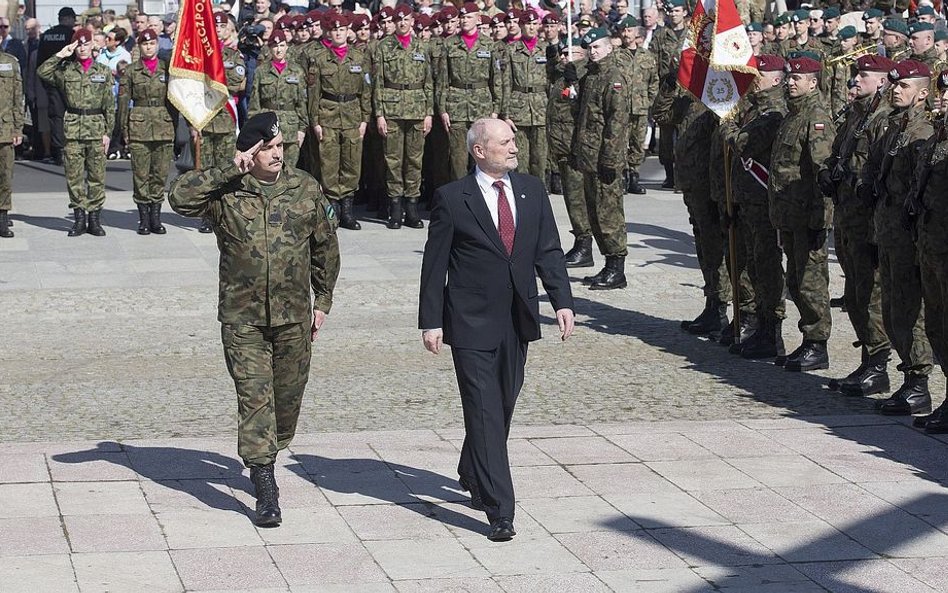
(486, 183)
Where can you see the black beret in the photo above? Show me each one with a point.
(263, 126)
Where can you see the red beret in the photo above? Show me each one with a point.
(283, 23)
(803, 66)
(402, 12)
(771, 63)
(499, 19)
(220, 17)
(386, 13)
(551, 19)
(335, 20)
(874, 63)
(909, 69)
(529, 16)
(422, 22)
(359, 22)
(82, 36)
(276, 37)
(469, 8)
(449, 12)
(513, 14)
(147, 35)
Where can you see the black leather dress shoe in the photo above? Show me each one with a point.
(469, 485)
(501, 530)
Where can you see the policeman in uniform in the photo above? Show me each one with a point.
(600, 146)
(277, 237)
(643, 71)
(340, 104)
(86, 86)
(403, 98)
(11, 133)
(280, 86)
(799, 211)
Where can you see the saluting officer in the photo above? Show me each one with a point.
(11, 133)
(90, 115)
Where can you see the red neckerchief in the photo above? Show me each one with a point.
(469, 40)
(405, 41)
(86, 64)
(340, 51)
(278, 66)
(151, 64)
(529, 43)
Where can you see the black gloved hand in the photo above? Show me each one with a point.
(607, 175)
(866, 193)
(569, 73)
(817, 239)
(825, 180)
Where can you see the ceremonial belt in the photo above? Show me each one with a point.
(404, 87)
(757, 171)
(339, 98)
(467, 86)
(75, 111)
(150, 103)
(530, 89)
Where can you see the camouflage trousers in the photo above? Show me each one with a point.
(666, 144)
(340, 162)
(862, 294)
(84, 165)
(217, 150)
(150, 161)
(606, 214)
(404, 147)
(270, 368)
(291, 152)
(710, 244)
(638, 127)
(457, 149)
(765, 262)
(808, 283)
(575, 197)
(747, 299)
(6, 175)
(934, 268)
(531, 142)
(902, 310)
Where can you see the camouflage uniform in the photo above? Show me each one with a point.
(11, 124)
(799, 211)
(90, 115)
(283, 93)
(467, 89)
(643, 75)
(217, 137)
(149, 128)
(666, 45)
(523, 92)
(560, 121)
(277, 242)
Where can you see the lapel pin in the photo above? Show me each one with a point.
(523, 196)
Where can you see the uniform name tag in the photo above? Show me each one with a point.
(6, 67)
(418, 57)
(356, 69)
(276, 218)
(97, 78)
(293, 79)
(483, 53)
(541, 59)
(228, 64)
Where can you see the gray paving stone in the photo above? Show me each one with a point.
(583, 450)
(578, 583)
(654, 580)
(722, 545)
(376, 487)
(191, 495)
(239, 568)
(924, 499)
(525, 554)
(577, 514)
(666, 509)
(425, 559)
(23, 467)
(384, 522)
(39, 535)
(775, 578)
(114, 533)
(208, 529)
(347, 588)
(52, 573)
(463, 521)
(669, 446)
(930, 571)
(857, 467)
(740, 442)
(145, 572)
(326, 564)
(702, 474)
(752, 505)
(785, 470)
(27, 500)
(807, 541)
(91, 467)
(523, 452)
(93, 498)
(621, 479)
(308, 526)
(860, 576)
(616, 550)
(546, 481)
(455, 585)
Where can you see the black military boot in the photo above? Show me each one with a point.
(556, 183)
(767, 342)
(154, 219)
(853, 377)
(95, 226)
(669, 182)
(912, 398)
(708, 310)
(633, 186)
(615, 274)
(782, 360)
(812, 357)
(347, 219)
(412, 220)
(712, 320)
(590, 280)
(268, 496)
(937, 423)
(205, 226)
(747, 329)
(144, 211)
(5, 231)
(874, 379)
(78, 227)
(394, 213)
(581, 255)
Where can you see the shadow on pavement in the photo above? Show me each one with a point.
(678, 246)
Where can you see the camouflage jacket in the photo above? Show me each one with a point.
(907, 131)
(84, 92)
(601, 135)
(149, 118)
(837, 86)
(929, 57)
(932, 238)
(11, 99)
(751, 136)
(693, 146)
(341, 93)
(524, 84)
(788, 46)
(468, 85)
(284, 93)
(666, 46)
(643, 76)
(276, 242)
(236, 72)
(803, 142)
(561, 110)
(404, 82)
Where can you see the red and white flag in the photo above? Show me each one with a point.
(197, 85)
(717, 63)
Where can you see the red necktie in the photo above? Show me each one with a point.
(505, 220)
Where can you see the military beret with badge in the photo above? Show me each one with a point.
(895, 26)
(771, 63)
(147, 35)
(908, 69)
(872, 13)
(803, 64)
(594, 35)
(261, 127)
(831, 13)
(918, 27)
(847, 32)
(627, 22)
(942, 81)
(469, 8)
(278, 36)
(82, 36)
(874, 63)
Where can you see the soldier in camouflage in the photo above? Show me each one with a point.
(11, 133)
(922, 42)
(90, 115)
(666, 45)
(276, 233)
(148, 129)
(643, 73)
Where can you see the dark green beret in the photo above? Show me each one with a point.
(848, 32)
(895, 26)
(918, 27)
(831, 13)
(594, 35)
(627, 22)
(872, 13)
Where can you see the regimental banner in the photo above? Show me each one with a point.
(197, 85)
(717, 63)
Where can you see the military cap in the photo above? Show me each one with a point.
(594, 35)
(803, 65)
(872, 13)
(449, 12)
(874, 63)
(513, 14)
(909, 69)
(942, 80)
(485, 20)
(585, 21)
(386, 13)
(302, 20)
(359, 22)
(529, 16)
(895, 26)
(771, 63)
(847, 32)
(284, 22)
(831, 13)
(499, 18)
(918, 27)
(263, 126)
(676, 4)
(551, 18)
(82, 36)
(468, 8)
(804, 53)
(220, 18)
(276, 37)
(782, 19)
(627, 22)
(402, 12)
(925, 11)
(66, 11)
(335, 20)
(755, 28)
(313, 17)
(147, 35)
(422, 22)
(800, 16)
(941, 35)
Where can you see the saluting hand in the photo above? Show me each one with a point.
(244, 160)
(68, 50)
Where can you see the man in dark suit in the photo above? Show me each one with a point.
(492, 233)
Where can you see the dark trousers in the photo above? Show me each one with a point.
(489, 382)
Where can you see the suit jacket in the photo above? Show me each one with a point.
(470, 287)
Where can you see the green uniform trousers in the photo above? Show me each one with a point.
(457, 149)
(710, 245)
(606, 214)
(340, 162)
(150, 161)
(84, 165)
(291, 152)
(532, 147)
(934, 269)
(217, 150)
(765, 260)
(574, 195)
(270, 368)
(7, 156)
(902, 310)
(638, 127)
(404, 147)
(862, 294)
(808, 283)
(746, 267)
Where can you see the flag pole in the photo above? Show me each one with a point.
(569, 29)
(732, 246)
